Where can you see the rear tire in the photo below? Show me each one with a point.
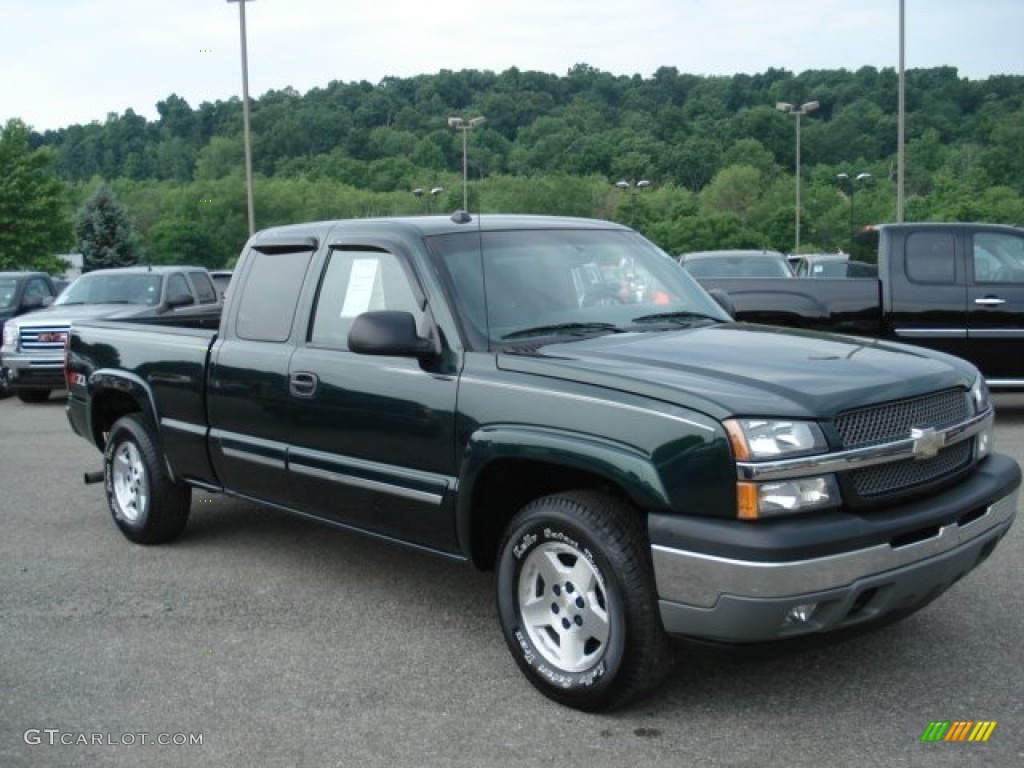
(33, 395)
(577, 601)
(146, 504)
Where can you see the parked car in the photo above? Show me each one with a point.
(830, 265)
(33, 346)
(221, 279)
(736, 263)
(954, 287)
(22, 292)
(630, 470)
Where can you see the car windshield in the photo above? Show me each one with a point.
(8, 290)
(563, 284)
(756, 265)
(112, 288)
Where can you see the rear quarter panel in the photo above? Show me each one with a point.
(160, 371)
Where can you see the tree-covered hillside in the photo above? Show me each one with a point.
(718, 155)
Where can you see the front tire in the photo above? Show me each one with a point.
(146, 504)
(577, 602)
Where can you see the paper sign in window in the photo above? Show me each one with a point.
(364, 277)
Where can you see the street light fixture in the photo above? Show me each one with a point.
(434, 192)
(846, 181)
(245, 117)
(624, 185)
(803, 109)
(465, 126)
(631, 204)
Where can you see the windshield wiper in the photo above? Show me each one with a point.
(576, 329)
(681, 317)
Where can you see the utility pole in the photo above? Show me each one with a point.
(245, 117)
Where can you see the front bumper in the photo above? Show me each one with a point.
(25, 371)
(735, 598)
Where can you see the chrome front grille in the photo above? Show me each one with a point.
(893, 421)
(50, 337)
(900, 475)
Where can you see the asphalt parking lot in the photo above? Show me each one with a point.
(276, 642)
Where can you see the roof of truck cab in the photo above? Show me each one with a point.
(156, 269)
(438, 225)
(956, 225)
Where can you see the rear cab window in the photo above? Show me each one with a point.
(205, 289)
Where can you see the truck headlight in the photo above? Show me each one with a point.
(980, 396)
(982, 402)
(10, 335)
(754, 439)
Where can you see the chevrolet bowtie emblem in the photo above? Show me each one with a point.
(927, 442)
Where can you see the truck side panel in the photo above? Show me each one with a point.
(154, 370)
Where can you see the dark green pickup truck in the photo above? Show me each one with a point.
(557, 400)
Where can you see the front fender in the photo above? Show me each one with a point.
(624, 466)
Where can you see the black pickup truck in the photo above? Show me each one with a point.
(557, 400)
(958, 288)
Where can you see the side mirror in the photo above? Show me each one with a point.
(723, 300)
(388, 332)
(32, 302)
(179, 300)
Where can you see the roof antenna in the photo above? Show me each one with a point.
(461, 217)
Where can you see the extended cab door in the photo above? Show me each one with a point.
(995, 303)
(372, 441)
(925, 287)
(248, 394)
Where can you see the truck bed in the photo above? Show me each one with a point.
(840, 305)
(167, 360)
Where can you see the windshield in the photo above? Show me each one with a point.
(758, 265)
(566, 283)
(112, 288)
(8, 290)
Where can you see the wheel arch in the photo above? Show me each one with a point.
(114, 394)
(507, 467)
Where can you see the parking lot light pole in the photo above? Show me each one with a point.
(245, 117)
(846, 181)
(465, 126)
(803, 109)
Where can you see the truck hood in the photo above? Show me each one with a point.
(73, 312)
(749, 370)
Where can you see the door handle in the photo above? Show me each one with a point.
(990, 301)
(303, 384)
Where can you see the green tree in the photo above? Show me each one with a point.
(105, 233)
(34, 222)
(734, 190)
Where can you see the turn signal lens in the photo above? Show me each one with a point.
(787, 497)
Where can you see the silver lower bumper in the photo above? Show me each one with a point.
(742, 601)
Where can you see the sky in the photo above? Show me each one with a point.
(76, 61)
